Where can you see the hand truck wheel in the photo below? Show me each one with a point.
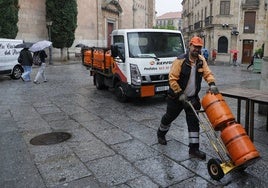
(214, 169)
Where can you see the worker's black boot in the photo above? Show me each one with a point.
(195, 152)
(161, 135)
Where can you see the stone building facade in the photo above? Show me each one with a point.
(95, 20)
(170, 18)
(227, 25)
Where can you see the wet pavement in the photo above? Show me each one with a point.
(111, 144)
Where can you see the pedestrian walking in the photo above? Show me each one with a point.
(205, 54)
(214, 55)
(185, 78)
(235, 59)
(26, 60)
(252, 60)
(41, 71)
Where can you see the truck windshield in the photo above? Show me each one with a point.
(155, 44)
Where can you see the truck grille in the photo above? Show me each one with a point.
(155, 78)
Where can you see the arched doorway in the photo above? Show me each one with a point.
(223, 45)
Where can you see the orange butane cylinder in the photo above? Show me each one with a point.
(98, 57)
(217, 110)
(87, 57)
(238, 144)
(108, 59)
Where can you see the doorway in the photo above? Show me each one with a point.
(247, 51)
(109, 31)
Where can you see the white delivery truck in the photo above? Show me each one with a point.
(138, 63)
(9, 58)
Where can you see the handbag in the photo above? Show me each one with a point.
(36, 59)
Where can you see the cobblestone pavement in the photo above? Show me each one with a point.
(112, 144)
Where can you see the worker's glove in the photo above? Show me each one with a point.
(213, 88)
(182, 98)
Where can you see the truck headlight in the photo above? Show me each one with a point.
(135, 74)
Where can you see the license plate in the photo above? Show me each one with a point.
(161, 88)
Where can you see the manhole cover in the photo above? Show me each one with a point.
(50, 138)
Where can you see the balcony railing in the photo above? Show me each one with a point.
(191, 27)
(251, 4)
(198, 25)
(208, 21)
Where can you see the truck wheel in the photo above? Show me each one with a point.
(214, 169)
(119, 93)
(99, 81)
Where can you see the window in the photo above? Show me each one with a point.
(119, 42)
(225, 8)
(155, 44)
(249, 22)
(223, 45)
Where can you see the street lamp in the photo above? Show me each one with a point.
(49, 24)
(203, 35)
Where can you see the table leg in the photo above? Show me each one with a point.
(251, 123)
(247, 110)
(238, 110)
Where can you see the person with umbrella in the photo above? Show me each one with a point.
(41, 71)
(235, 59)
(39, 53)
(26, 60)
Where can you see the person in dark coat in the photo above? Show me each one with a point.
(26, 61)
(252, 60)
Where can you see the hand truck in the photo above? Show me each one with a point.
(227, 146)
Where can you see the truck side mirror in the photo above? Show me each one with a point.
(114, 50)
(118, 51)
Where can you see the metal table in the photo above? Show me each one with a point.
(251, 96)
(260, 99)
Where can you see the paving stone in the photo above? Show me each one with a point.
(87, 182)
(46, 153)
(134, 150)
(142, 182)
(90, 150)
(147, 135)
(97, 125)
(194, 182)
(72, 109)
(81, 135)
(175, 150)
(32, 124)
(163, 170)
(113, 170)
(64, 125)
(55, 116)
(4, 112)
(19, 114)
(17, 167)
(47, 109)
(113, 136)
(83, 117)
(64, 168)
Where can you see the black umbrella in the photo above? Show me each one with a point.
(24, 45)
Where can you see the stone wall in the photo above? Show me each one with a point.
(92, 20)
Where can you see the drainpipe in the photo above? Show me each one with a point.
(97, 33)
(133, 11)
